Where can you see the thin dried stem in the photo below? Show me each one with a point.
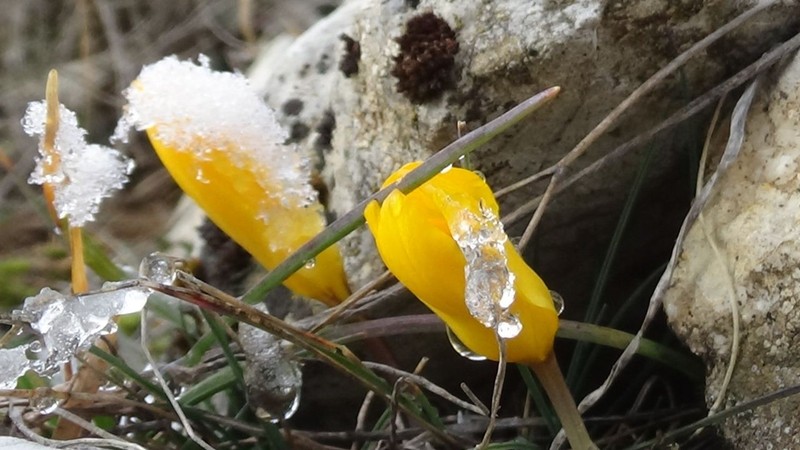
(425, 384)
(735, 140)
(80, 282)
(167, 391)
(51, 159)
(245, 18)
(497, 390)
(352, 299)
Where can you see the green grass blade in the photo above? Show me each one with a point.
(123, 367)
(579, 355)
(596, 334)
(539, 399)
(217, 382)
(218, 330)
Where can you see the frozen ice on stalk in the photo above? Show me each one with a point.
(489, 288)
(195, 109)
(67, 325)
(13, 364)
(86, 173)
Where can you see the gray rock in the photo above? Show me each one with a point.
(754, 217)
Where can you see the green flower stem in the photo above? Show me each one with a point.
(549, 374)
(433, 165)
(610, 337)
(567, 329)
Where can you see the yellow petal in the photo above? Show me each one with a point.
(224, 148)
(413, 238)
(234, 199)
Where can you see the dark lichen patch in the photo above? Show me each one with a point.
(324, 131)
(352, 54)
(297, 132)
(425, 66)
(304, 70)
(292, 107)
(323, 64)
(412, 3)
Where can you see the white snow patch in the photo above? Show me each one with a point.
(85, 173)
(195, 109)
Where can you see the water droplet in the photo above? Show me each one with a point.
(109, 329)
(43, 401)
(161, 268)
(264, 414)
(310, 264)
(509, 327)
(462, 349)
(558, 302)
(35, 347)
(201, 176)
(57, 230)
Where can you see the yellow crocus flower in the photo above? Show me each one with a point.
(413, 237)
(224, 148)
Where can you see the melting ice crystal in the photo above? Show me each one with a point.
(489, 283)
(66, 325)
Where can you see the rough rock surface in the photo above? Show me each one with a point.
(345, 89)
(336, 87)
(754, 218)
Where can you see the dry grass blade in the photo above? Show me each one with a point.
(737, 132)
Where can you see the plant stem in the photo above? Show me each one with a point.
(552, 380)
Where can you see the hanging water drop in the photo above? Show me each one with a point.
(558, 302)
(462, 349)
(44, 402)
(509, 327)
(161, 268)
(310, 264)
(35, 347)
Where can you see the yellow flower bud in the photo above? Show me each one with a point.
(412, 233)
(224, 148)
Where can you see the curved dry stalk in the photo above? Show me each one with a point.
(165, 387)
(337, 311)
(735, 140)
(115, 442)
(497, 390)
(426, 384)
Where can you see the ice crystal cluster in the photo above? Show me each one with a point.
(65, 325)
(84, 174)
(489, 288)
